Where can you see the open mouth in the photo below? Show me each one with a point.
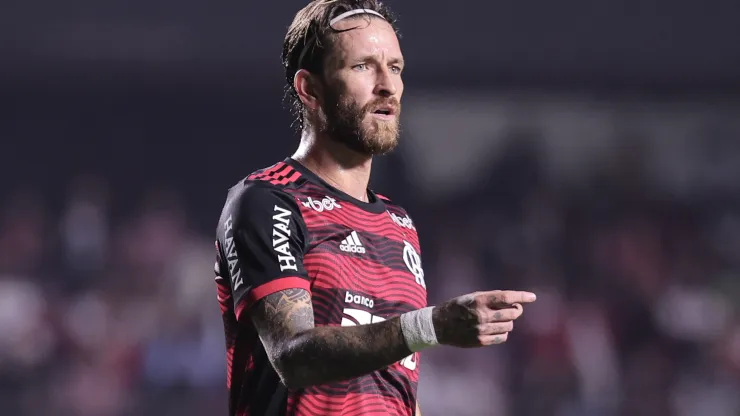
(385, 111)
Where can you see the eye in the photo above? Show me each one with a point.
(396, 69)
(360, 67)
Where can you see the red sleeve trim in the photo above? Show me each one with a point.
(259, 292)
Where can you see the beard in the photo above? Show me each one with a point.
(344, 122)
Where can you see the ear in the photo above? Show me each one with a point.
(307, 88)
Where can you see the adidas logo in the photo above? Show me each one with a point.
(352, 244)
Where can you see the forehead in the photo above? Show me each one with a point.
(366, 37)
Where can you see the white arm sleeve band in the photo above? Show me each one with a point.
(418, 329)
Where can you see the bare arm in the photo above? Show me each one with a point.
(304, 355)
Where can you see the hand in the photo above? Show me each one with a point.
(479, 319)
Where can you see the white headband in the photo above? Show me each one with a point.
(352, 13)
(332, 23)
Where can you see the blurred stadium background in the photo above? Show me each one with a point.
(585, 150)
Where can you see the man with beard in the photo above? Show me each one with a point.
(320, 279)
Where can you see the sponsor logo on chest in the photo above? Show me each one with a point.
(351, 298)
(325, 204)
(403, 222)
(352, 244)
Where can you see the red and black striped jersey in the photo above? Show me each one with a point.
(284, 227)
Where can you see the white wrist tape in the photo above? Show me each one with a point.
(418, 329)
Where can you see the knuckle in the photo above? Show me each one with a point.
(476, 316)
(467, 300)
(483, 316)
(505, 298)
(478, 300)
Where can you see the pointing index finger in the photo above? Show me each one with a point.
(509, 297)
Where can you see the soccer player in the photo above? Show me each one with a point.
(320, 279)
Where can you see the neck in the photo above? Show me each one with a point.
(343, 168)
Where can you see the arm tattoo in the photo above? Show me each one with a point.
(281, 315)
(304, 355)
(290, 308)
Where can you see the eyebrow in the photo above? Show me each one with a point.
(395, 60)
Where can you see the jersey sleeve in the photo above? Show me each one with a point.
(262, 239)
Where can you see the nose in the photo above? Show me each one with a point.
(385, 85)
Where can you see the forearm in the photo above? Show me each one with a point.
(327, 354)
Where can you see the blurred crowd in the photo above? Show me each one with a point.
(637, 298)
(104, 315)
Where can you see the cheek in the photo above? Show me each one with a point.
(361, 96)
(360, 87)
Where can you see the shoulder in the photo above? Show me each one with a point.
(390, 205)
(280, 175)
(398, 214)
(264, 190)
(278, 180)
